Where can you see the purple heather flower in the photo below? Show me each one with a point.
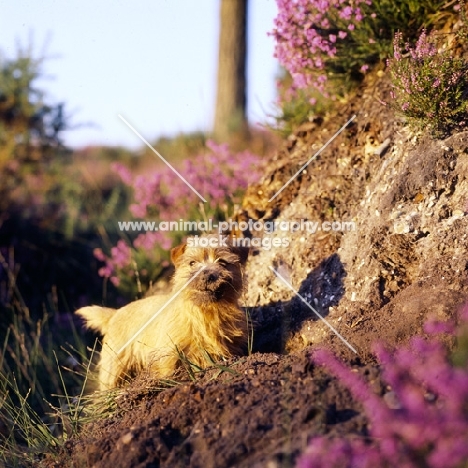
(302, 46)
(115, 281)
(430, 424)
(99, 255)
(123, 172)
(435, 327)
(346, 13)
(106, 271)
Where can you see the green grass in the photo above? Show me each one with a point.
(25, 436)
(38, 409)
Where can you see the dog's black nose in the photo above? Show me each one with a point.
(212, 277)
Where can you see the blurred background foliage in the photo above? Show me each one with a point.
(55, 205)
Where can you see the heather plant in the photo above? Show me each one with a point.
(327, 44)
(220, 176)
(430, 84)
(421, 422)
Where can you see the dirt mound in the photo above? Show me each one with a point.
(258, 414)
(405, 260)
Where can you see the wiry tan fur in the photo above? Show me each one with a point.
(204, 318)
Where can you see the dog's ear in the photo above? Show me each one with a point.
(177, 252)
(242, 253)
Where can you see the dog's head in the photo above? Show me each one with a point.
(209, 268)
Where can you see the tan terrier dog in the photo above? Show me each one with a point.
(201, 319)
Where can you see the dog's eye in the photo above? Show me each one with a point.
(192, 263)
(223, 263)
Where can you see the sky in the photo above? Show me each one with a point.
(154, 62)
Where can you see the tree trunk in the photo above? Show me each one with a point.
(231, 99)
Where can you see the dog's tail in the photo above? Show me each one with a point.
(96, 317)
